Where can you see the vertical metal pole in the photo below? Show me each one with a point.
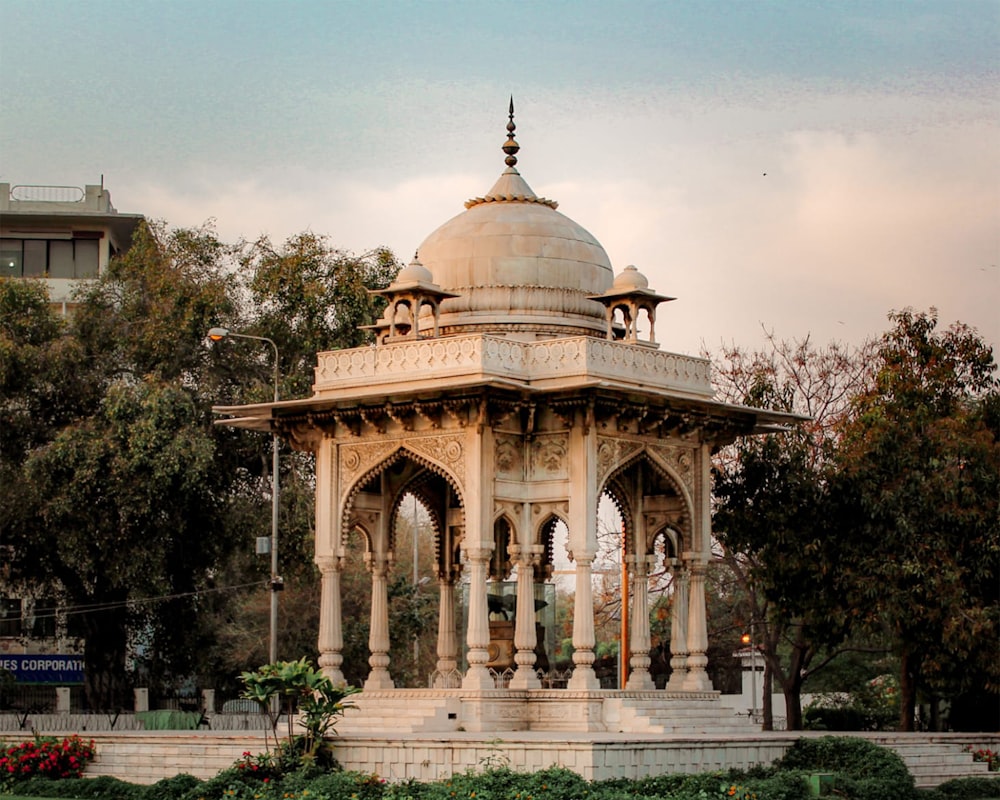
(272, 652)
(275, 507)
(623, 650)
(416, 583)
(753, 676)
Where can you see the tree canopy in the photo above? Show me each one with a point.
(918, 483)
(771, 512)
(121, 494)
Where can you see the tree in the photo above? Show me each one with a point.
(919, 479)
(309, 297)
(115, 499)
(771, 516)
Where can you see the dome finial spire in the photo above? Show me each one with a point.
(511, 147)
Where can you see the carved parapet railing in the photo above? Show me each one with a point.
(484, 357)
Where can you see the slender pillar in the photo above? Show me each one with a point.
(583, 678)
(447, 641)
(697, 633)
(678, 629)
(331, 638)
(524, 625)
(478, 634)
(378, 636)
(639, 634)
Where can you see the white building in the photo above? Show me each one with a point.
(60, 234)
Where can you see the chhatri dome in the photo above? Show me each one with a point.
(517, 266)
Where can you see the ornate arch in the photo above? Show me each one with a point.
(545, 535)
(418, 487)
(402, 451)
(617, 491)
(673, 540)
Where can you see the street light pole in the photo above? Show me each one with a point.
(217, 335)
(747, 639)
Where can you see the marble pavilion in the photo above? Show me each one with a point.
(508, 389)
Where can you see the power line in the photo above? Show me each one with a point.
(99, 607)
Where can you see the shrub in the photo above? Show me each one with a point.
(171, 788)
(969, 788)
(863, 770)
(100, 788)
(45, 756)
(298, 686)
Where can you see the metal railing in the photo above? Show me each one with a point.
(26, 192)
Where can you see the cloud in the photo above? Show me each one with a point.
(843, 227)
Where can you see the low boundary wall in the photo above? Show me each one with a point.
(148, 756)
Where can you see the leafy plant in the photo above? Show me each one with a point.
(991, 758)
(297, 685)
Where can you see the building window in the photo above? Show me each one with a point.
(43, 621)
(10, 616)
(78, 257)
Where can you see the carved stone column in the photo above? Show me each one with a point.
(639, 633)
(447, 641)
(697, 633)
(378, 637)
(583, 678)
(525, 639)
(331, 638)
(678, 629)
(478, 635)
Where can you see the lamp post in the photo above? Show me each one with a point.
(217, 335)
(747, 638)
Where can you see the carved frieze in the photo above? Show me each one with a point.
(508, 458)
(548, 457)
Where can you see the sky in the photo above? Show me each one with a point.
(797, 167)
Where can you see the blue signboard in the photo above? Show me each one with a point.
(49, 668)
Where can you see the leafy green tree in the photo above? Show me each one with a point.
(123, 493)
(308, 296)
(919, 480)
(772, 518)
(116, 497)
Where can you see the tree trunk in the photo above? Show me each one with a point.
(799, 659)
(767, 692)
(105, 684)
(909, 668)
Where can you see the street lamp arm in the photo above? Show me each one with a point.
(218, 334)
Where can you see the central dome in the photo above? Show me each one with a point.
(517, 265)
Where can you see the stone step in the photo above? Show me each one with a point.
(932, 763)
(382, 714)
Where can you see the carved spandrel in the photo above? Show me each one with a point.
(355, 459)
(446, 449)
(612, 453)
(680, 460)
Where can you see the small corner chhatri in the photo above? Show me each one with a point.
(508, 392)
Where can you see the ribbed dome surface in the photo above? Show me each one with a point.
(518, 265)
